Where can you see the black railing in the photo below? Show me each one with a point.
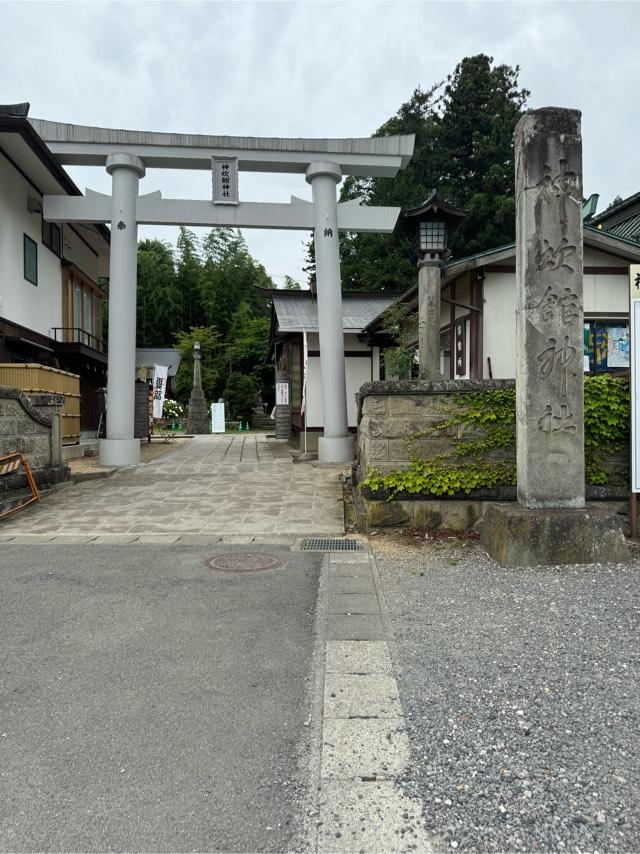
(75, 335)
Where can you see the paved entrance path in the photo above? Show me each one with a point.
(209, 485)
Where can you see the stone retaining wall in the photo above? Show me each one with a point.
(31, 424)
(390, 412)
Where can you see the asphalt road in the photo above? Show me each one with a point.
(149, 703)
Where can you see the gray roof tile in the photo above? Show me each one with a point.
(298, 314)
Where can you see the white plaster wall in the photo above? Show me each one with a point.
(36, 307)
(598, 258)
(605, 293)
(499, 325)
(357, 369)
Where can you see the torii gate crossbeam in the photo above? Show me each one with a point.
(127, 154)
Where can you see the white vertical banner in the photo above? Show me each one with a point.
(634, 362)
(160, 373)
(305, 364)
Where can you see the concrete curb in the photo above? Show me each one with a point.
(362, 743)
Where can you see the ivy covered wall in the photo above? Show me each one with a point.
(453, 438)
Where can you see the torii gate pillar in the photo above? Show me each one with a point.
(337, 444)
(120, 448)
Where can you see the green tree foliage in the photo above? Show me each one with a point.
(240, 396)
(229, 278)
(158, 295)
(188, 280)
(212, 368)
(248, 348)
(205, 291)
(464, 148)
(290, 284)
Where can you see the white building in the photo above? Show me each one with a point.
(50, 299)
(478, 310)
(296, 312)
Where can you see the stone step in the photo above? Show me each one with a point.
(72, 452)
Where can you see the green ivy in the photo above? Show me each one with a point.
(607, 409)
(485, 426)
(438, 477)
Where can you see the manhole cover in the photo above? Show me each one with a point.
(243, 562)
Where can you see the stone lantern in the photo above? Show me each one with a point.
(430, 228)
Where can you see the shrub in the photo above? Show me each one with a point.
(240, 396)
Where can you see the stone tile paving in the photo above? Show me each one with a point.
(209, 485)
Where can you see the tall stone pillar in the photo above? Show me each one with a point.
(429, 320)
(198, 418)
(337, 445)
(549, 525)
(549, 335)
(120, 448)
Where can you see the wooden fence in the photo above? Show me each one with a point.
(33, 378)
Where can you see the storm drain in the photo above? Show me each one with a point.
(242, 562)
(326, 544)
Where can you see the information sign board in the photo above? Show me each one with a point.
(217, 417)
(282, 394)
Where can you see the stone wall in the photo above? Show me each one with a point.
(391, 412)
(30, 424)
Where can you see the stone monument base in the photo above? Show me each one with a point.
(516, 536)
(198, 418)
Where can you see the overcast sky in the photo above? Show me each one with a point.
(312, 69)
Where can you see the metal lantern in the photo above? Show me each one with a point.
(431, 226)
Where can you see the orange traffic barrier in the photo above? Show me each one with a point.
(10, 465)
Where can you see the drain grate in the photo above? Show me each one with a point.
(326, 544)
(242, 562)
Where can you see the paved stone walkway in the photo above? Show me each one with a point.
(209, 486)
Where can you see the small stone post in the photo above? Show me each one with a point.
(198, 418)
(549, 334)
(429, 319)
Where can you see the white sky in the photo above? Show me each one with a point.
(312, 69)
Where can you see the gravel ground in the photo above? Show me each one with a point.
(522, 696)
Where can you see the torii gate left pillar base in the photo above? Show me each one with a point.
(119, 452)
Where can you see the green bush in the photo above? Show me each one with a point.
(240, 396)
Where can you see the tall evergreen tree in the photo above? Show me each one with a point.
(464, 148)
(189, 279)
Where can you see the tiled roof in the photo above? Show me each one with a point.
(628, 228)
(148, 356)
(298, 314)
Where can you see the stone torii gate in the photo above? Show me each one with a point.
(127, 155)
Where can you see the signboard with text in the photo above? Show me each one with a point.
(225, 180)
(282, 394)
(634, 326)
